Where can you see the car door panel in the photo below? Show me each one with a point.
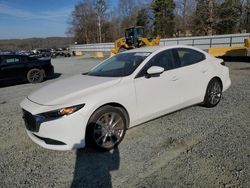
(158, 91)
(154, 95)
(13, 71)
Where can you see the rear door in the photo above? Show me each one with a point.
(192, 75)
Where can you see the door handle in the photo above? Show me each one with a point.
(204, 71)
(174, 78)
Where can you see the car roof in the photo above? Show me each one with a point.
(144, 49)
(151, 49)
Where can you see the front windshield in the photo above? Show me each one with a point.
(120, 65)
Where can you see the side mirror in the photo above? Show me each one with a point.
(155, 70)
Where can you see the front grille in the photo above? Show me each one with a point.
(30, 121)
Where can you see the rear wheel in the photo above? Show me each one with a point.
(213, 93)
(35, 76)
(106, 128)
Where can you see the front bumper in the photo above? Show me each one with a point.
(64, 133)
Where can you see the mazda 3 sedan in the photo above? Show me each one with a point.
(96, 108)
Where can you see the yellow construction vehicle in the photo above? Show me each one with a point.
(134, 38)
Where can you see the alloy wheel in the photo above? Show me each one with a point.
(109, 130)
(214, 92)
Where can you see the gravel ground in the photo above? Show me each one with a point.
(194, 147)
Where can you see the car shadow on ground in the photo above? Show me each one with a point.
(54, 76)
(8, 84)
(92, 168)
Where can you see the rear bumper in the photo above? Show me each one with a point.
(226, 79)
(49, 71)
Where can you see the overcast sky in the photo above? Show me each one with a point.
(36, 18)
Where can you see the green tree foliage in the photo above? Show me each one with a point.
(144, 19)
(229, 14)
(164, 17)
(160, 17)
(204, 17)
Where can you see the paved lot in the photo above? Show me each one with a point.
(194, 147)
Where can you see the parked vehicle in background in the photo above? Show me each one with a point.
(18, 68)
(125, 90)
(60, 52)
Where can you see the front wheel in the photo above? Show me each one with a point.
(106, 128)
(213, 93)
(35, 76)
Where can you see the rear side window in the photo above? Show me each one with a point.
(189, 56)
(24, 59)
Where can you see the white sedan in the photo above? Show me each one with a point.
(96, 108)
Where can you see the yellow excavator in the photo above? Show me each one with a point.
(134, 38)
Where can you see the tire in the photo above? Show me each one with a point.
(35, 76)
(213, 93)
(106, 128)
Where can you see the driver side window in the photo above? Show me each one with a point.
(163, 59)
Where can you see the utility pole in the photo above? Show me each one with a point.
(100, 10)
(210, 17)
(184, 16)
(100, 29)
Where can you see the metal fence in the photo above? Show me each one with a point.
(203, 42)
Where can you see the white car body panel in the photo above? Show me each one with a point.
(142, 98)
(66, 90)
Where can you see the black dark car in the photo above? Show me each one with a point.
(18, 68)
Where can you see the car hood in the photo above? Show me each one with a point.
(67, 90)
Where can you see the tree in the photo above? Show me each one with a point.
(144, 18)
(183, 15)
(127, 7)
(83, 24)
(128, 10)
(246, 16)
(247, 19)
(204, 17)
(229, 14)
(164, 17)
(101, 9)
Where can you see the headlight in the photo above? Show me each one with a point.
(61, 112)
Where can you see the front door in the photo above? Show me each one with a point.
(156, 94)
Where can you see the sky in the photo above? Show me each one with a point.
(36, 18)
